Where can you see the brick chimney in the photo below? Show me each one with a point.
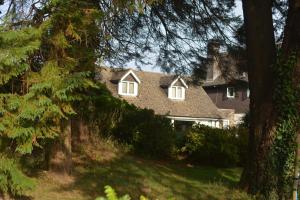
(213, 70)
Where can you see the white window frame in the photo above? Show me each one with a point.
(228, 94)
(176, 91)
(135, 88)
(226, 124)
(184, 87)
(248, 93)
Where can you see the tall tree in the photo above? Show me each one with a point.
(259, 33)
(46, 64)
(274, 83)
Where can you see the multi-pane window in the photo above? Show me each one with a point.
(128, 88)
(177, 92)
(230, 92)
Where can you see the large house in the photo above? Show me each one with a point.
(168, 95)
(226, 84)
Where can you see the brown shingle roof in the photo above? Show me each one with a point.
(152, 94)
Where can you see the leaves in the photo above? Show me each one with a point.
(15, 47)
(12, 179)
(112, 195)
(45, 69)
(286, 97)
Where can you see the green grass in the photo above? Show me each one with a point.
(136, 176)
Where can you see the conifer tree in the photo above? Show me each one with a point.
(45, 67)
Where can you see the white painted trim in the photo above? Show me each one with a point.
(248, 93)
(173, 123)
(181, 80)
(227, 123)
(192, 118)
(227, 93)
(135, 88)
(133, 74)
(176, 98)
(212, 122)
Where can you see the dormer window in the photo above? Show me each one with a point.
(129, 88)
(177, 89)
(128, 84)
(177, 92)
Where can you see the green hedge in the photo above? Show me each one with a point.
(149, 134)
(218, 147)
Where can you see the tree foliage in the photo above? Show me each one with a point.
(174, 33)
(43, 71)
(11, 179)
(284, 148)
(112, 195)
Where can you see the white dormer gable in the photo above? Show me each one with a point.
(128, 84)
(177, 88)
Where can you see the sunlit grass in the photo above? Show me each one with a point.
(136, 176)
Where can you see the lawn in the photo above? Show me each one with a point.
(136, 176)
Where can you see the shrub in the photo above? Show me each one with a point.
(112, 195)
(242, 144)
(219, 147)
(149, 134)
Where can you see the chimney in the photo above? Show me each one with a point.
(213, 70)
(213, 48)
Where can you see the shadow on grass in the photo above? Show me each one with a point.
(134, 176)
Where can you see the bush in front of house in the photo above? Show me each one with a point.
(218, 147)
(149, 134)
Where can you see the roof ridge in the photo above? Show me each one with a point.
(135, 70)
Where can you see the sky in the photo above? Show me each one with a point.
(238, 10)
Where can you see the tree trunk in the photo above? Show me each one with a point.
(261, 55)
(80, 131)
(291, 44)
(61, 151)
(1, 196)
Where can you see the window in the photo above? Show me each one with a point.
(179, 90)
(124, 87)
(213, 124)
(173, 92)
(209, 123)
(176, 92)
(225, 123)
(128, 88)
(131, 88)
(230, 92)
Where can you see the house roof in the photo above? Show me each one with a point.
(152, 94)
(221, 80)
